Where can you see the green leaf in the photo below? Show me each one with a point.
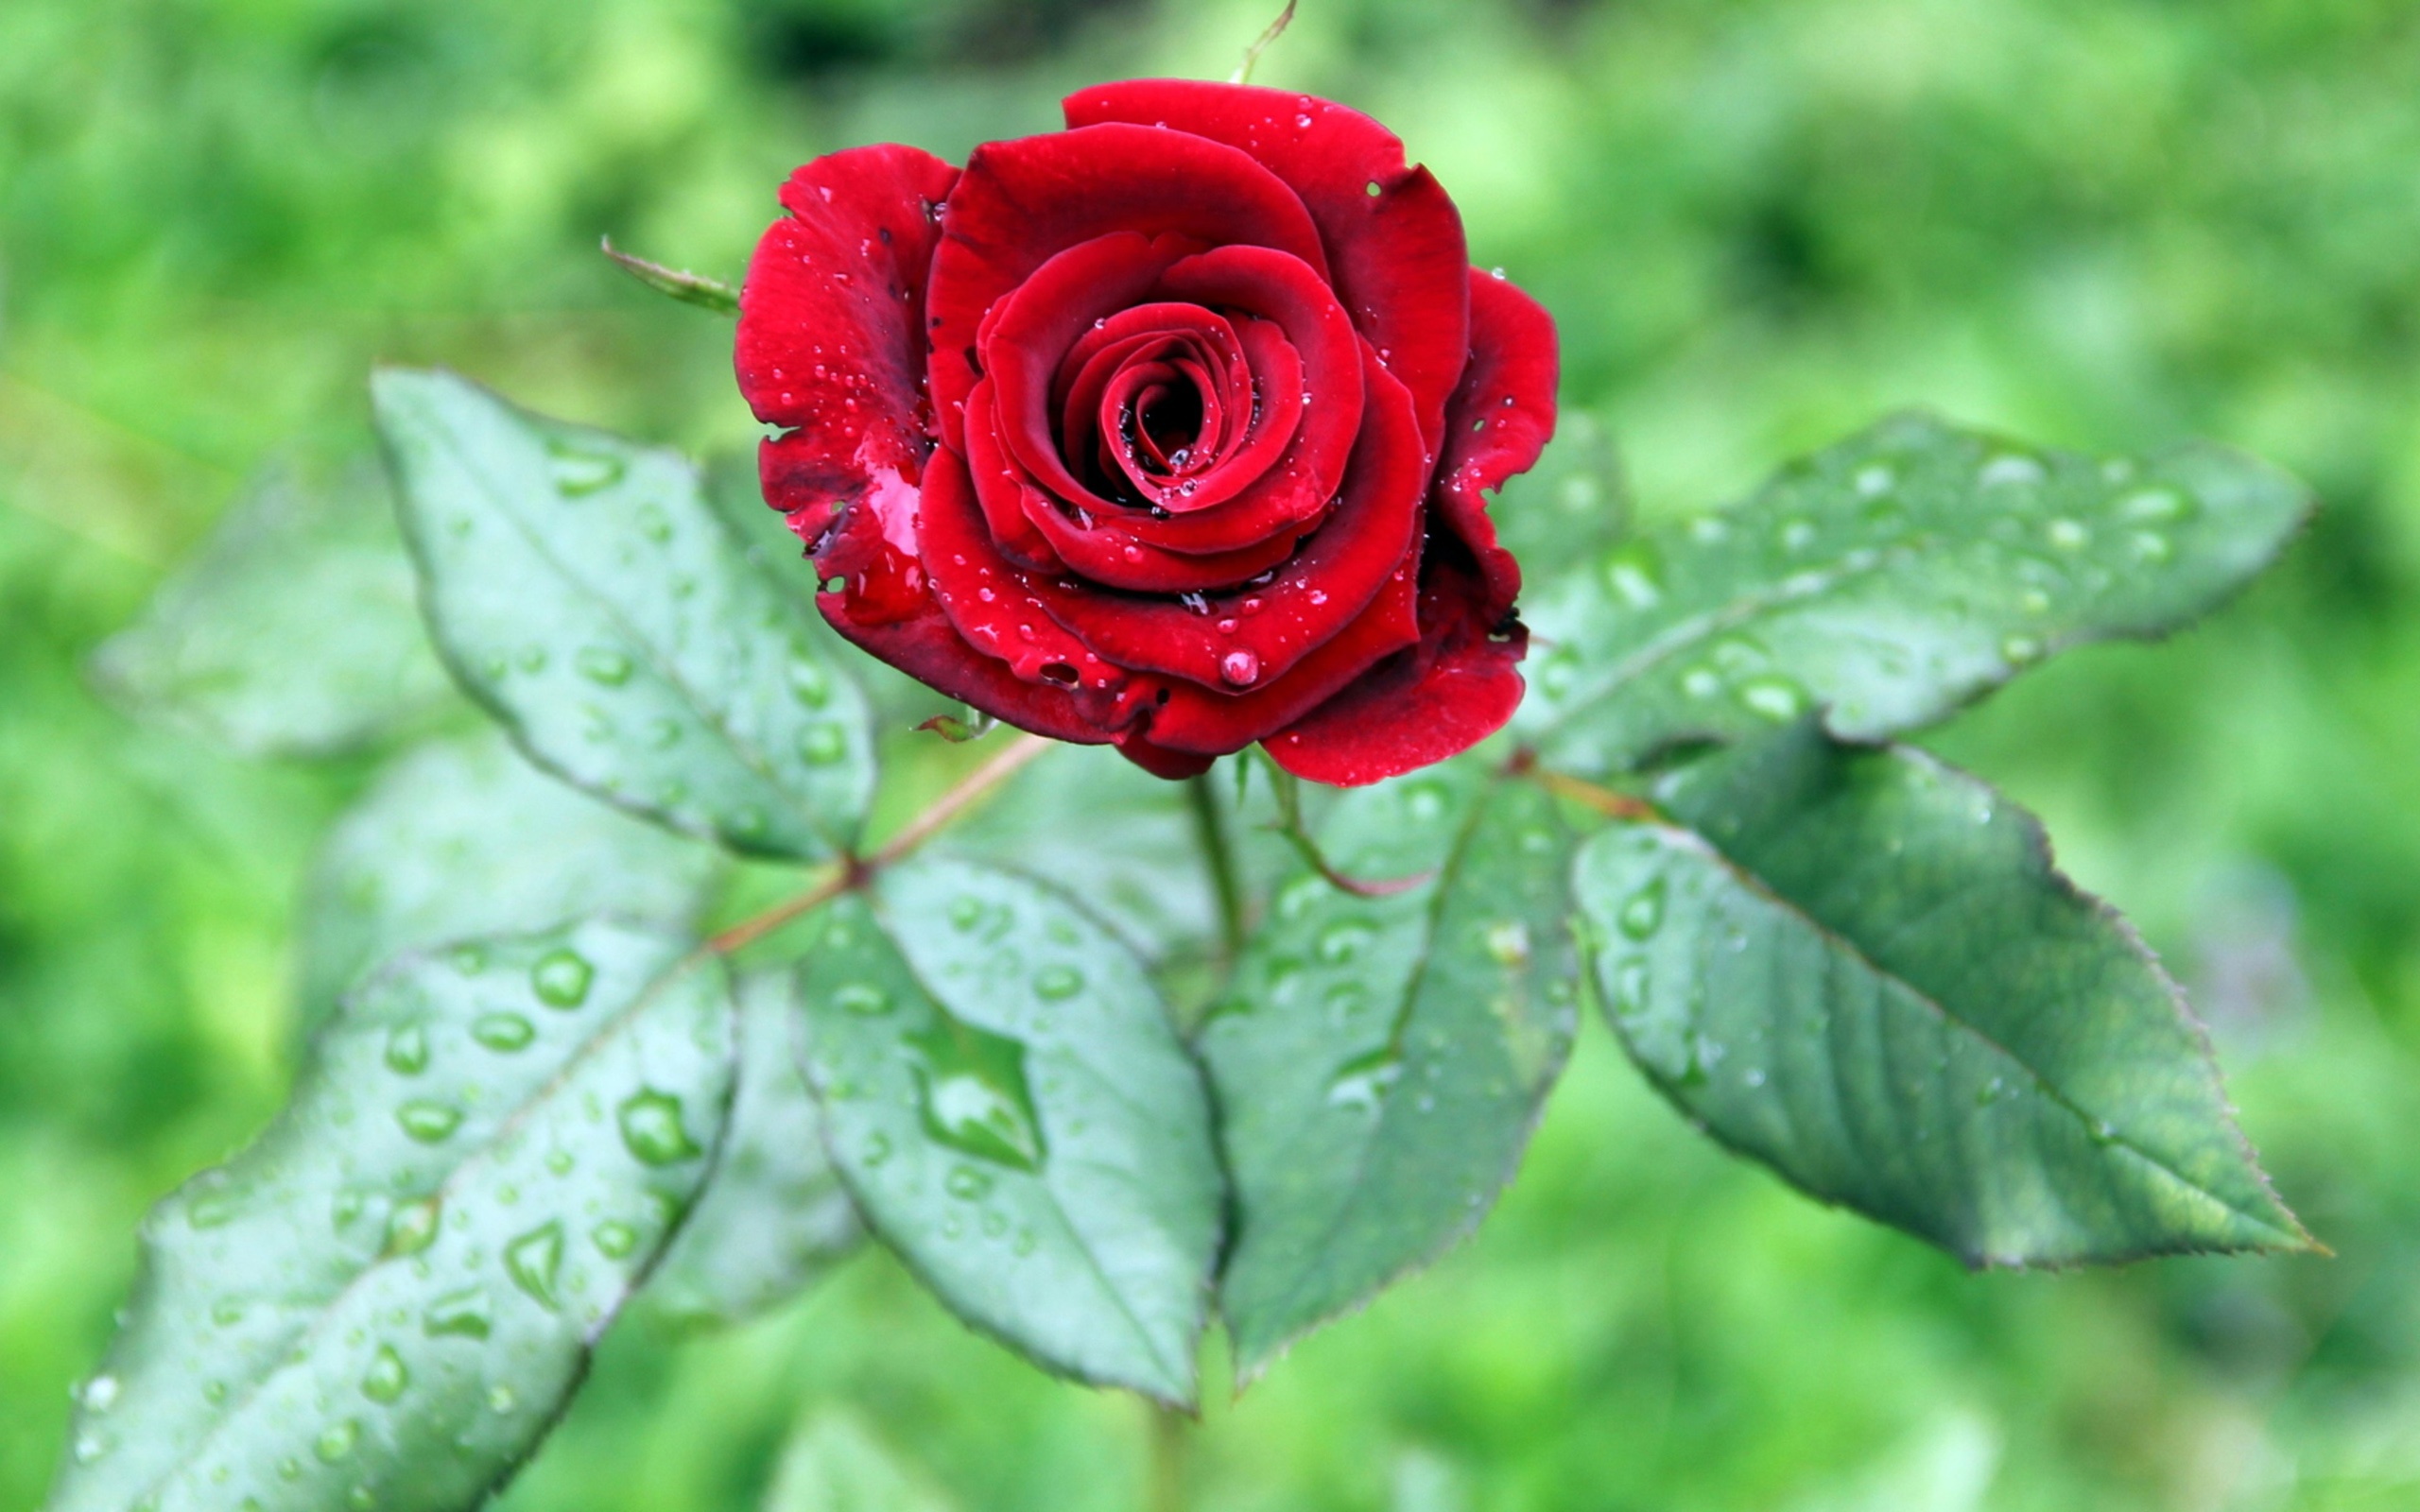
(1380, 1061)
(1874, 980)
(1005, 1098)
(836, 1464)
(462, 837)
(774, 1218)
(291, 632)
(1567, 509)
(583, 590)
(1887, 581)
(1125, 843)
(387, 1300)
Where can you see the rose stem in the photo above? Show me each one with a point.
(1220, 859)
(854, 872)
(1603, 800)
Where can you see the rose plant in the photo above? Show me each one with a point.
(1186, 430)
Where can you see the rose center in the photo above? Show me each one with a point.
(1167, 420)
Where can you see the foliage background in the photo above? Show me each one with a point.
(2104, 223)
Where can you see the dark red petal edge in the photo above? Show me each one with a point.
(1437, 699)
(1500, 420)
(830, 326)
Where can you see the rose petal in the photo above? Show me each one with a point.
(1435, 700)
(1198, 719)
(1252, 636)
(1499, 421)
(1397, 255)
(1159, 760)
(830, 326)
(1021, 202)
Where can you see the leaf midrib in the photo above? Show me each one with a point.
(751, 759)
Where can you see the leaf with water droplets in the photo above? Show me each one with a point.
(291, 632)
(388, 1297)
(773, 1219)
(584, 591)
(1020, 1124)
(1379, 1061)
(1887, 581)
(1868, 975)
(462, 837)
(1568, 508)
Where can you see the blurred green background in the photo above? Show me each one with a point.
(2102, 223)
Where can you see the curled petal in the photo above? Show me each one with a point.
(1393, 238)
(1019, 204)
(830, 326)
(1435, 700)
(1499, 421)
(1250, 635)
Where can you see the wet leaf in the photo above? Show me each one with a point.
(1379, 1061)
(291, 632)
(1005, 1098)
(583, 590)
(1572, 505)
(774, 1218)
(388, 1299)
(1870, 976)
(1887, 581)
(463, 837)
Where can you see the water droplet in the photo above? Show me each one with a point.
(653, 523)
(2034, 601)
(651, 1129)
(562, 978)
(746, 821)
(1344, 1000)
(1630, 986)
(1701, 682)
(1634, 571)
(1422, 803)
(534, 1262)
(504, 1031)
(1753, 1077)
(821, 744)
(2150, 546)
(580, 474)
(875, 1150)
(1058, 983)
(2010, 469)
(470, 960)
(463, 1314)
(967, 1184)
(1774, 699)
(603, 664)
(965, 913)
(1508, 942)
(808, 683)
(413, 1228)
(430, 1122)
(213, 1392)
(1796, 535)
(386, 1379)
(502, 1399)
(2068, 535)
(336, 1441)
(407, 1051)
(1642, 912)
(614, 1239)
(1344, 941)
(1239, 668)
(91, 1447)
(99, 1394)
(2019, 650)
(1874, 477)
(863, 998)
(973, 1095)
(1362, 1083)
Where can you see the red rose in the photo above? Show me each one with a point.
(1168, 430)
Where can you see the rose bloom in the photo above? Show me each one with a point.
(1170, 430)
